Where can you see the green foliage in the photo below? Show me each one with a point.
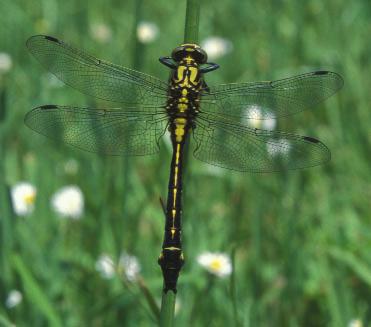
(300, 239)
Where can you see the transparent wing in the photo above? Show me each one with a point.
(241, 148)
(267, 100)
(96, 77)
(112, 132)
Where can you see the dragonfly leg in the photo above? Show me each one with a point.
(163, 206)
(205, 86)
(211, 66)
(167, 61)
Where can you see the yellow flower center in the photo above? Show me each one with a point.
(30, 198)
(215, 264)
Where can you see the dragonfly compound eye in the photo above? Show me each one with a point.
(193, 50)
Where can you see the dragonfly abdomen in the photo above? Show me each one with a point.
(182, 108)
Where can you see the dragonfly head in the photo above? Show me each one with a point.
(192, 53)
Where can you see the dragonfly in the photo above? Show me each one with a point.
(216, 117)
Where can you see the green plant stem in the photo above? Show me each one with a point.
(192, 21)
(138, 53)
(190, 36)
(233, 289)
(137, 62)
(6, 210)
(167, 309)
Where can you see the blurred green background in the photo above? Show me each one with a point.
(300, 239)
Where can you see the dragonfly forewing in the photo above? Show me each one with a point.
(272, 99)
(96, 77)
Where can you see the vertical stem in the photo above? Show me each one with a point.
(138, 52)
(137, 63)
(233, 289)
(190, 36)
(6, 210)
(192, 21)
(167, 309)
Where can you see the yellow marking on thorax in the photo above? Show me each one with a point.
(194, 72)
(188, 60)
(185, 82)
(180, 73)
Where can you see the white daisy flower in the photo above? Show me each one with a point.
(130, 266)
(105, 266)
(253, 116)
(218, 264)
(13, 299)
(269, 124)
(6, 62)
(23, 196)
(101, 32)
(278, 147)
(68, 202)
(355, 323)
(147, 32)
(216, 47)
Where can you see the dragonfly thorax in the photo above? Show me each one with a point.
(186, 75)
(184, 94)
(185, 86)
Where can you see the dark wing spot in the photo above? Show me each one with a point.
(310, 139)
(50, 38)
(321, 72)
(48, 107)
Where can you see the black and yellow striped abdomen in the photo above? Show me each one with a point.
(182, 108)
